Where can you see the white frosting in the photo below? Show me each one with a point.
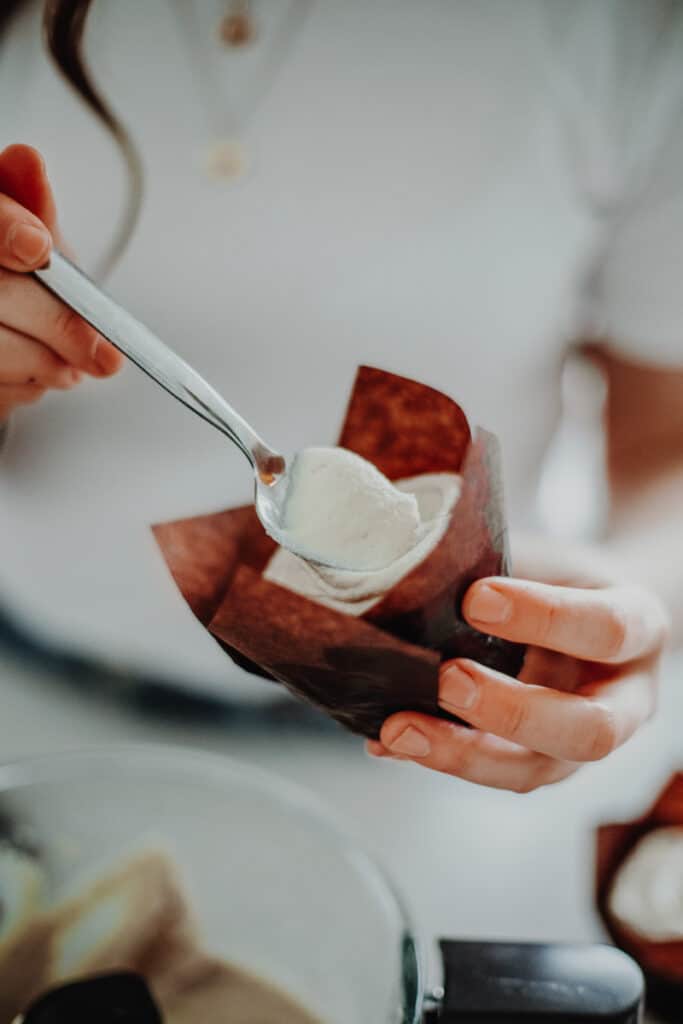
(647, 892)
(341, 511)
(354, 593)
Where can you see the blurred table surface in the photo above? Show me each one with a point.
(471, 862)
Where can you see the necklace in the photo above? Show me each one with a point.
(237, 26)
(235, 53)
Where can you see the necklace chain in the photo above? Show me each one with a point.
(228, 121)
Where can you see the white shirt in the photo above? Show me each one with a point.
(452, 191)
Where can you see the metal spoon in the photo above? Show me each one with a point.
(142, 347)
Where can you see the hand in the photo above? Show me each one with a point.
(588, 682)
(42, 343)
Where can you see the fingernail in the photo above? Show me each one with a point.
(457, 689)
(28, 244)
(488, 605)
(411, 742)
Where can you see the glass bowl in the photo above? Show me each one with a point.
(274, 884)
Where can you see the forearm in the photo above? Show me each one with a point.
(644, 432)
(647, 531)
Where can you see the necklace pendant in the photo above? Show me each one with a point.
(237, 26)
(226, 160)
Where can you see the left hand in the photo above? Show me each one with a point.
(589, 681)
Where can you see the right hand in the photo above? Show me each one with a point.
(43, 344)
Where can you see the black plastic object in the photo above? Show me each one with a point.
(538, 983)
(121, 998)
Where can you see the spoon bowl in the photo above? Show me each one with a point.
(270, 493)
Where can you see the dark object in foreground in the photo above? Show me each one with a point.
(121, 998)
(662, 962)
(538, 983)
(361, 670)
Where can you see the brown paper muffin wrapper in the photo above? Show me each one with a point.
(360, 670)
(661, 962)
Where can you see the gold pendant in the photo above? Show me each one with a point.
(226, 161)
(237, 28)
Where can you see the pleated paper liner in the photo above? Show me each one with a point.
(361, 670)
(661, 962)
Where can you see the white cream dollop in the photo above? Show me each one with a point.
(341, 511)
(647, 892)
(354, 592)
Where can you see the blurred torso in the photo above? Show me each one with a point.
(412, 203)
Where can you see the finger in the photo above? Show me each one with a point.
(25, 361)
(23, 177)
(24, 240)
(30, 309)
(612, 624)
(568, 726)
(467, 753)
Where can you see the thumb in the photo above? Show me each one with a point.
(23, 177)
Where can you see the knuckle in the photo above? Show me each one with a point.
(601, 734)
(461, 755)
(525, 785)
(67, 322)
(637, 622)
(73, 329)
(548, 615)
(513, 717)
(615, 633)
(536, 775)
(662, 626)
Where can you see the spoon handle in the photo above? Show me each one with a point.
(64, 279)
